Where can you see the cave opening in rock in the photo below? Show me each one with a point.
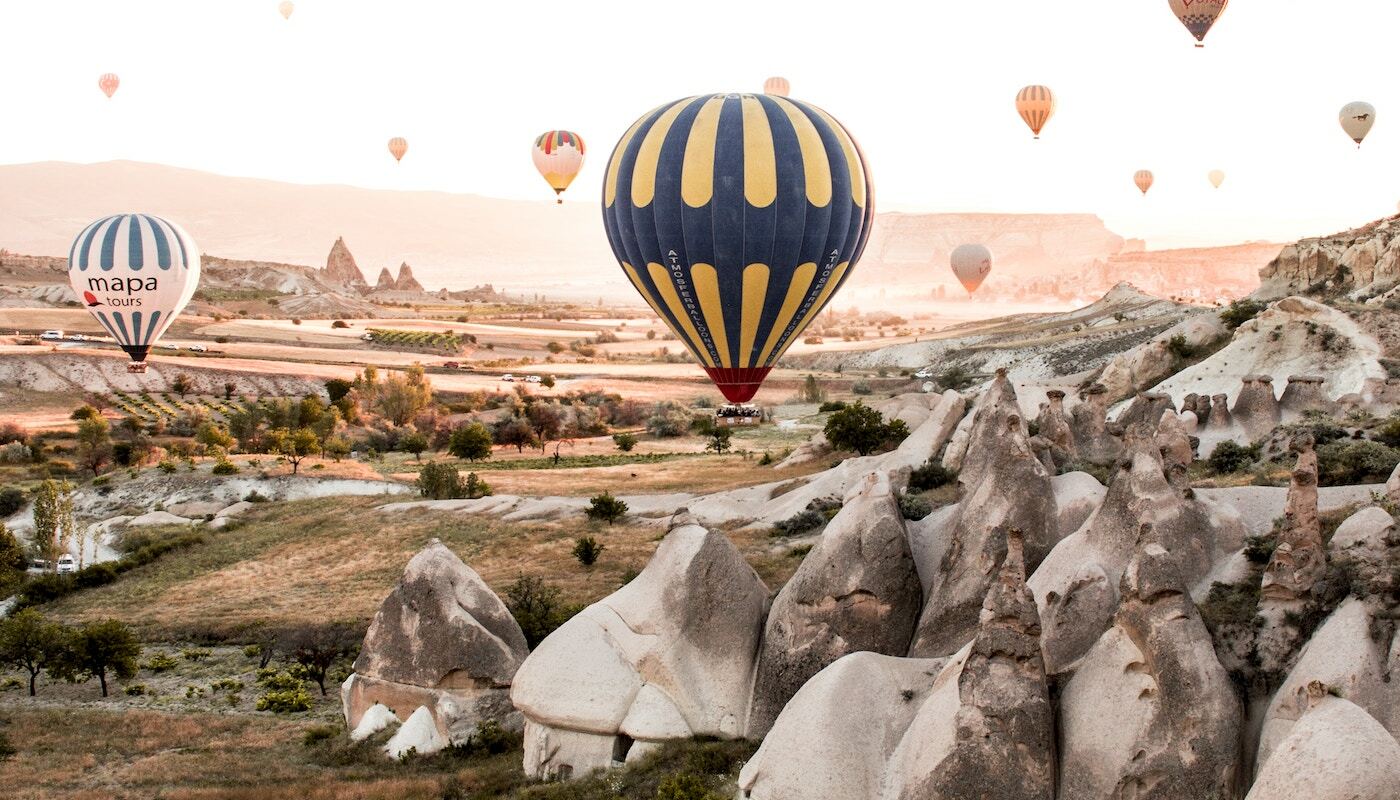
(622, 745)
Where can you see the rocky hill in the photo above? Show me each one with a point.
(1363, 263)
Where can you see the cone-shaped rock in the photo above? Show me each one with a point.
(342, 269)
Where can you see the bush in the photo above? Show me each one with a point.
(440, 481)
(861, 387)
(471, 442)
(1351, 462)
(167, 466)
(801, 522)
(931, 475)
(194, 654)
(956, 378)
(606, 508)
(1240, 312)
(136, 690)
(831, 405)
(625, 441)
(161, 662)
(1230, 457)
(225, 467)
(1178, 346)
(285, 701)
(11, 501)
(668, 422)
(913, 507)
(1388, 435)
(319, 733)
(340, 323)
(587, 549)
(863, 429)
(537, 608)
(6, 749)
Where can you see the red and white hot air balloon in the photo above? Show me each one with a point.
(558, 156)
(397, 147)
(108, 83)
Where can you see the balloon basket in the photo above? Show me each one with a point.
(734, 415)
(136, 367)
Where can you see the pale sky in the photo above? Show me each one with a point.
(927, 87)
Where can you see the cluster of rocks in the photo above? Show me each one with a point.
(405, 282)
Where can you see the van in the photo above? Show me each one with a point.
(67, 565)
(51, 335)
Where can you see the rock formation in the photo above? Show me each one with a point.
(341, 269)
(834, 739)
(1220, 418)
(668, 656)
(1256, 410)
(857, 590)
(386, 280)
(987, 728)
(1054, 425)
(1005, 488)
(1304, 393)
(1146, 409)
(1149, 364)
(406, 282)
(1150, 714)
(1174, 442)
(1351, 261)
(1336, 751)
(442, 642)
(1298, 562)
(1089, 426)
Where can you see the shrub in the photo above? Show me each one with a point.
(285, 701)
(668, 422)
(1229, 457)
(931, 475)
(254, 497)
(11, 501)
(1388, 435)
(537, 608)
(719, 441)
(1179, 347)
(606, 508)
(685, 786)
(831, 405)
(861, 387)
(476, 487)
(471, 442)
(490, 738)
(913, 507)
(161, 662)
(194, 654)
(956, 377)
(440, 481)
(225, 467)
(167, 466)
(6, 749)
(625, 441)
(1351, 462)
(319, 733)
(587, 549)
(340, 323)
(136, 690)
(1240, 312)
(801, 522)
(863, 429)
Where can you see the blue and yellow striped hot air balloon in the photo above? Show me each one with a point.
(737, 217)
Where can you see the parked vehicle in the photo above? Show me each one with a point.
(450, 365)
(924, 373)
(51, 335)
(198, 348)
(508, 378)
(77, 337)
(532, 379)
(366, 337)
(67, 564)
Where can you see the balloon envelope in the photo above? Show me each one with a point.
(108, 83)
(1198, 15)
(777, 85)
(1143, 178)
(1035, 104)
(971, 263)
(1217, 178)
(737, 217)
(397, 147)
(1357, 119)
(135, 273)
(558, 156)
(285, 8)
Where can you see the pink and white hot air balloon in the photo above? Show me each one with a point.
(108, 83)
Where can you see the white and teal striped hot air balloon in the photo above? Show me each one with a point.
(135, 273)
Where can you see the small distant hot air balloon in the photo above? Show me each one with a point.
(1198, 16)
(397, 147)
(135, 273)
(108, 83)
(558, 156)
(285, 8)
(1216, 178)
(1035, 104)
(777, 85)
(1143, 179)
(737, 217)
(1357, 119)
(971, 263)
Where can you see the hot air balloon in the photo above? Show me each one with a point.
(1216, 178)
(285, 8)
(134, 273)
(1357, 119)
(108, 83)
(971, 263)
(1198, 16)
(559, 157)
(1143, 179)
(777, 85)
(1035, 104)
(397, 147)
(737, 217)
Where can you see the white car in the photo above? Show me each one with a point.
(508, 378)
(67, 565)
(197, 348)
(51, 335)
(77, 337)
(532, 379)
(924, 373)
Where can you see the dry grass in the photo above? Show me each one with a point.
(337, 558)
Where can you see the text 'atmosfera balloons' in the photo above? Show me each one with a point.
(737, 217)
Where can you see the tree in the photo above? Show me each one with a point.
(587, 549)
(11, 500)
(31, 643)
(336, 447)
(53, 517)
(547, 381)
(471, 441)
(215, 437)
(516, 431)
(537, 608)
(811, 391)
(625, 441)
(863, 429)
(293, 445)
(400, 397)
(414, 442)
(719, 440)
(98, 647)
(316, 648)
(83, 412)
(95, 443)
(12, 562)
(229, 388)
(440, 481)
(605, 507)
(182, 385)
(548, 421)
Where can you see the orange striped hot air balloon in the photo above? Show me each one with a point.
(558, 156)
(1035, 104)
(285, 8)
(397, 147)
(108, 83)
(777, 85)
(1143, 179)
